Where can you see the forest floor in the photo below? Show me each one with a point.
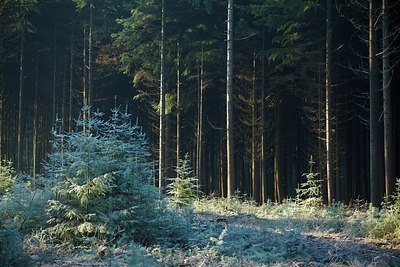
(281, 235)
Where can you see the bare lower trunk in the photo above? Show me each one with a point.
(231, 179)
(374, 106)
(387, 106)
(178, 107)
(20, 103)
(254, 159)
(328, 103)
(161, 158)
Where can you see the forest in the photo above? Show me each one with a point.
(199, 132)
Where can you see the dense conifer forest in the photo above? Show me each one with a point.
(199, 132)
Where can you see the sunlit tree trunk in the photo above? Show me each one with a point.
(254, 159)
(328, 103)
(277, 157)
(264, 182)
(387, 105)
(374, 106)
(90, 59)
(199, 157)
(84, 80)
(231, 179)
(162, 102)
(20, 102)
(178, 108)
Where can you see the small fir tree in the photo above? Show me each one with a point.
(184, 188)
(100, 176)
(309, 192)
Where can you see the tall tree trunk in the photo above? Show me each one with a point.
(90, 59)
(264, 182)
(84, 80)
(2, 88)
(63, 99)
(35, 120)
(54, 75)
(328, 103)
(374, 106)
(254, 159)
(200, 124)
(387, 105)
(162, 102)
(71, 81)
(178, 107)
(277, 158)
(231, 179)
(20, 103)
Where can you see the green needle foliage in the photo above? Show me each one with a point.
(309, 192)
(7, 176)
(184, 188)
(101, 184)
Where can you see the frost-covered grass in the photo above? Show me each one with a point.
(238, 232)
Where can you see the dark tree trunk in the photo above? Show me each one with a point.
(375, 194)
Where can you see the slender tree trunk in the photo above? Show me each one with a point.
(328, 103)
(231, 179)
(264, 182)
(54, 75)
(200, 124)
(277, 158)
(162, 102)
(71, 81)
(27, 152)
(387, 105)
(84, 91)
(254, 159)
(63, 100)
(20, 103)
(374, 106)
(90, 59)
(2, 88)
(178, 108)
(35, 120)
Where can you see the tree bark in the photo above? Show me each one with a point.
(71, 81)
(254, 159)
(162, 102)
(199, 157)
(328, 103)
(231, 179)
(35, 120)
(54, 75)
(20, 103)
(387, 106)
(90, 59)
(264, 182)
(178, 108)
(84, 80)
(374, 106)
